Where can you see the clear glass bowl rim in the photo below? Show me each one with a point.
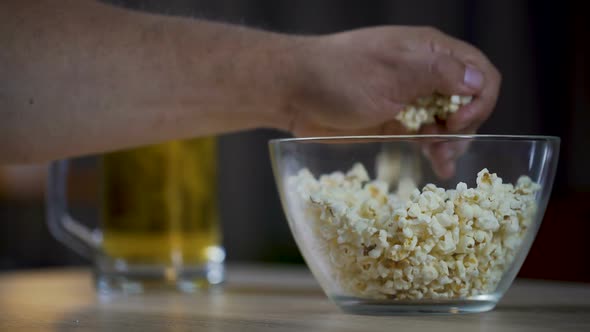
(416, 137)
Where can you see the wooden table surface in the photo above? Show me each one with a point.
(262, 298)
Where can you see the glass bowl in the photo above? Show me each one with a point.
(384, 232)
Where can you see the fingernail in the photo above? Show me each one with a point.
(473, 78)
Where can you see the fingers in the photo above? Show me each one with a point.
(474, 114)
(421, 74)
(427, 73)
(450, 76)
(443, 155)
(434, 41)
(479, 110)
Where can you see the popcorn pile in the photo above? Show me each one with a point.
(429, 244)
(426, 110)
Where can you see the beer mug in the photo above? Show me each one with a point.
(158, 224)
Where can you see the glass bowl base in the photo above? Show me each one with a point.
(360, 306)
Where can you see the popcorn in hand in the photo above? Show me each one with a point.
(427, 109)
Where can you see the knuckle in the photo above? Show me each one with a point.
(442, 62)
(437, 66)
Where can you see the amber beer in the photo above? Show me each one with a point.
(160, 203)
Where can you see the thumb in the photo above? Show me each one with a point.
(432, 72)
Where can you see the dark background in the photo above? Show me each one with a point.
(541, 48)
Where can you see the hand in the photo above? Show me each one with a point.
(354, 83)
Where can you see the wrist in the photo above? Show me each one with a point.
(247, 78)
(283, 66)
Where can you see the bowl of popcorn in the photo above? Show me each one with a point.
(383, 233)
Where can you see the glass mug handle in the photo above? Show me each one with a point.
(62, 226)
